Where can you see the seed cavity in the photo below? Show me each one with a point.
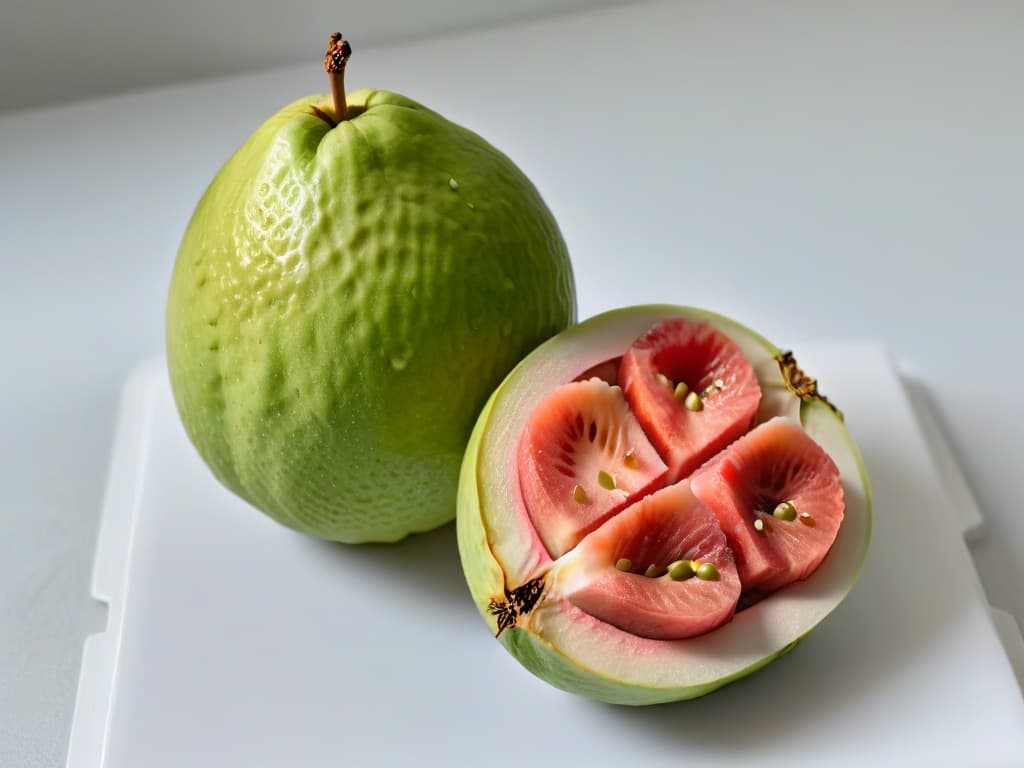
(624, 564)
(654, 571)
(680, 391)
(707, 572)
(681, 570)
(579, 495)
(694, 402)
(606, 481)
(784, 511)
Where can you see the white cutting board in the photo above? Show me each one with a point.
(233, 641)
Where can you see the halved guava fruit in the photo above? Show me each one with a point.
(642, 570)
(778, 498)
(568, 618)
(582, 457)
(691, 388)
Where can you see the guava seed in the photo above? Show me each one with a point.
(681, 570)
(654, 571)
(807, 520)
(707, 572)
(606, 481)
(624, 564)
(665, 380)
(784, 511)
(630, 459)
(579, 495)
(453, 184)
(681, 391)
(694, 402)
(758, 523)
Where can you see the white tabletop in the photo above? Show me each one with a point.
(836, 176)
(233, 641)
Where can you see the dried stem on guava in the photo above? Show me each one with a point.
(337, 56)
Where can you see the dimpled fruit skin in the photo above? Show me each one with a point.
(340, 310)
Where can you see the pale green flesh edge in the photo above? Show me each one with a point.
(559, 666)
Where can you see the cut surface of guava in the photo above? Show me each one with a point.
(692, 390)
(582, 457)
(668, 527)
(618, 632)
(774, 464)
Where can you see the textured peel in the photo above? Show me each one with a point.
(571, 649)
(339, 311)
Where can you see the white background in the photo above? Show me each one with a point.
(68, 50)
(815, 171)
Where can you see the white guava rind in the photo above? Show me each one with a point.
(576, 652)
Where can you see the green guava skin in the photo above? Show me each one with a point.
(344, 300)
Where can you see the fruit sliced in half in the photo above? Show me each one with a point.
(582, 457)
(692, 390)
(661, 569)
(779, 500)
(524, 596)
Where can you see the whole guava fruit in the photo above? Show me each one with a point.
(345, 298)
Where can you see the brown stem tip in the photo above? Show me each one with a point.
(338, 52)
(337, 56)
